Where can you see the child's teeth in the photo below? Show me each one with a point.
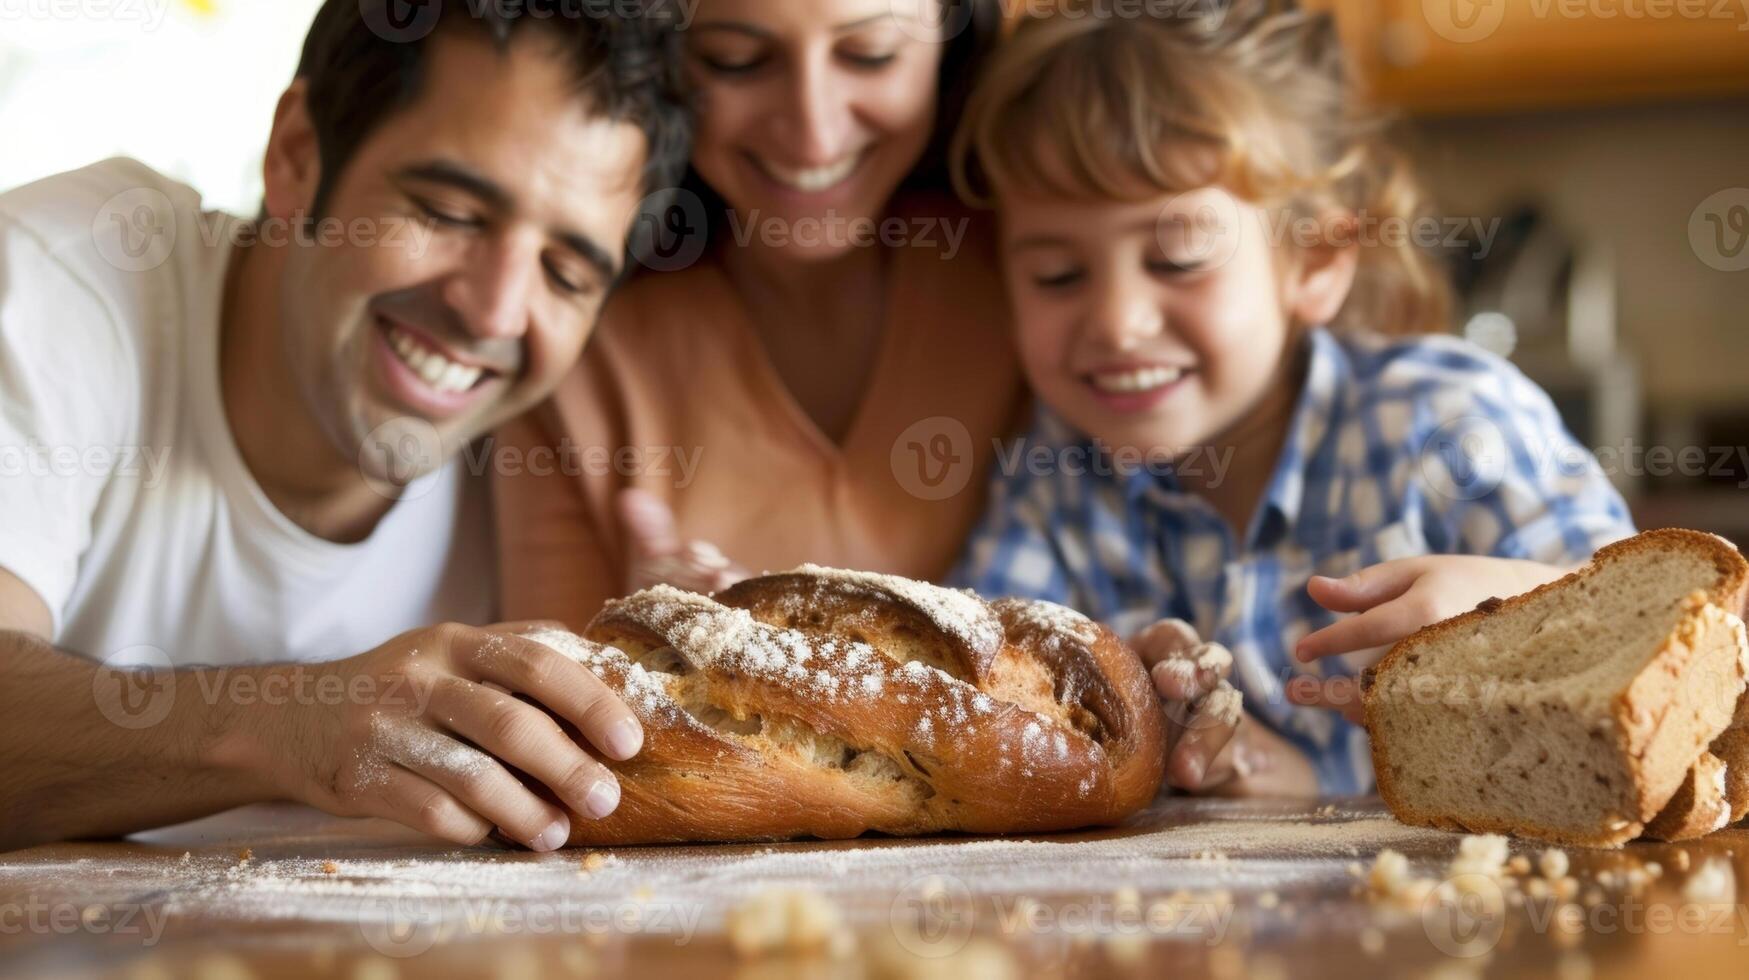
(432, 367)
(1139, 380)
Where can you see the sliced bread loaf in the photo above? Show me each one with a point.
(1572, 713)
(1699, 806)
(1732, 748)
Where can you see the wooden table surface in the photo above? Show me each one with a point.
(1188, 888)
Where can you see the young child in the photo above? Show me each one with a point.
(1242, 425)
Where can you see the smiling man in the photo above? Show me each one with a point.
(444, 215)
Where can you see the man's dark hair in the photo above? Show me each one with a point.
(365, 60)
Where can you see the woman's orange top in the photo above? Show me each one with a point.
(675, 395)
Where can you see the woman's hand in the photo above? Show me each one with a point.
(660, 557)
(1211, 750)
(1394, 600)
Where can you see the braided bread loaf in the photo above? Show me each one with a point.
(827, 703)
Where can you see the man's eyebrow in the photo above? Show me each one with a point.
(498, 199)
(461, 178)
(592, 252)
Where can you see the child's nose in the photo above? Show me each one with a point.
(1127, 314)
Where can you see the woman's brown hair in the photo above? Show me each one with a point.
(1252, 95)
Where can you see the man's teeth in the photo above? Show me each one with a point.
(1137, 381)
(433, 368)
(813, 179)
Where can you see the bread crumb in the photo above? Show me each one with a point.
(330, 868)
(1481, 854)
(1654, 869)
(1553, 864)
(788, 921)
(1268, 900)
(1681, 861)
(594, 861)
(1266, 966)
(1519, 865)
(1573, 965)
(1593, 897)
(1127, 899)
(1712, 883)
(1569, 924)
(1127, 949)
(245, 855)
(1372, 941)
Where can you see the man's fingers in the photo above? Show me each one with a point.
(526, 737)
(1367, 587)
(1374, 628)
(414, 801)
(1340, 694)
(564, 686)
(649, 525)
(475, 779)
(527, 626)
(1164, 640)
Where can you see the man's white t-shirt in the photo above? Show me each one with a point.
(124, 501)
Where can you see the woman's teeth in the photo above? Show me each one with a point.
(812, 180)
(441, 373)
(1137, 381)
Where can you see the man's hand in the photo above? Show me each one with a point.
(660, 557)
(432, 726)
(1394, 600)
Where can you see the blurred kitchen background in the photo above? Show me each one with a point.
(1609, 138)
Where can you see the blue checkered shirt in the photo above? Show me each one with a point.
(1396, 448)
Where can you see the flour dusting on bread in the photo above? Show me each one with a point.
(827, 703)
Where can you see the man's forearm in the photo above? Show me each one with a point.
(89, 750)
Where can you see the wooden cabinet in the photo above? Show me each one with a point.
(1501, 55)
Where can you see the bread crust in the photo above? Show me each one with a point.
(869, 704)
(1698, 807)
(1649, 732)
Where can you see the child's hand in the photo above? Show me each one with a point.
(660, 557)
(1395, 599)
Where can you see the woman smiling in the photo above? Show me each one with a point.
(836, 362)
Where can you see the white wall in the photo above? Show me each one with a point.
(188, 86)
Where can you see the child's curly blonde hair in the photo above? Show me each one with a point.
(1251, 95)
